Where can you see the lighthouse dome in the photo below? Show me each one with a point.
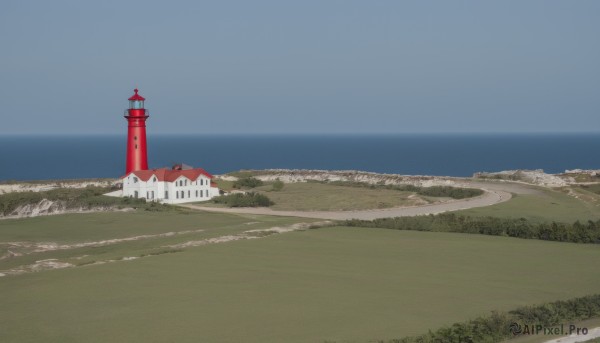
(136, 101)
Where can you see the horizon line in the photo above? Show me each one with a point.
(310, 133)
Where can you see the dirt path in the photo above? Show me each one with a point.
(53, 263)
(26, 248)
(490, 197)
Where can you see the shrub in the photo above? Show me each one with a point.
(243, 200)
(520, 228)
(497, 326)
(278, 185)
(73, 198)
(434, 191)
(449, 192)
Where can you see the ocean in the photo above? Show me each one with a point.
(103, 156)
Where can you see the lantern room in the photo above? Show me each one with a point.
(136, 101)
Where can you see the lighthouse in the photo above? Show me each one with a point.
(178, 184)
(136, 115)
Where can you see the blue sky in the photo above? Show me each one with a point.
(301, 66)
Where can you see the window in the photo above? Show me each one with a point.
(136, 104)
(177, 195)
(201, 194)
(135, 194)
(166, 194)
(196, 194)
(154, 179)
(189, 194)
(135, 179)
(186, 182)
(147, 195)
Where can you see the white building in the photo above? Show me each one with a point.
(171, 186)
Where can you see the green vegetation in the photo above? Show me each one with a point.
(595, 188)
(342, 284)
(224, 185)
(495, 327)
(314, 196)
(332, 284)
(520, 228)
(277, 185)
(156, 230)
(588, 323)
(449, 192)
(242, 173)
(517, 176)
(434, 191)
(247, 182)
(250, 199)
(86, 198)
(542, 205)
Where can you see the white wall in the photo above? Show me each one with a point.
(180, 191)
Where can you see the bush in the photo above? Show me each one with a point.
(497, 326)
(519, 228)
(73, 198)
(247, 182)
(278, 185)
(449, 192)
(434, 191)
(243, 200)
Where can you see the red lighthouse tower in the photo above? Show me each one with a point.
(136, 115)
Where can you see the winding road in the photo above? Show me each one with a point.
(494, 193)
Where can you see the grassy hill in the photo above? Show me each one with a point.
(171, 274)
(341, 284)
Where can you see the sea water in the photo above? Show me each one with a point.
(98, 156)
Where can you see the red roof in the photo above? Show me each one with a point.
(136, 96)
(169, 175)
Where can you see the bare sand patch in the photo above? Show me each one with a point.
(37, 247)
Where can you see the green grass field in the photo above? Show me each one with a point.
(341, 284)
(313, 196)
(546, 205)
(330, 284)
(176, 226)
